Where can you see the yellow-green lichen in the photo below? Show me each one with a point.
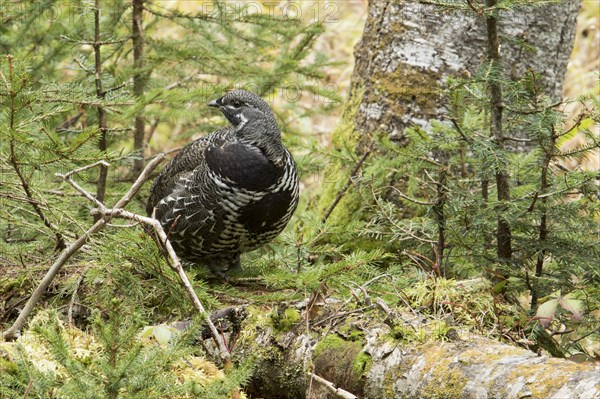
(545, 379)
(444, 384)
(445, 381)
(477, 355)
(408, 85)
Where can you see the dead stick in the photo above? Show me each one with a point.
(11, 333)
(175, 264)
(330, 386)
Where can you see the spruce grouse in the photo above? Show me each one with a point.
(229, 192)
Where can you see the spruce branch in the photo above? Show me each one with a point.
(95, 42)
(441, 218)
(74, 247)
(460, 131)
(60, 240)
(517, 139)
(175, 264)
(410, 199)
(353, 174)
(104, 215)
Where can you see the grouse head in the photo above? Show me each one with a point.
(240, 106)
(253, 120)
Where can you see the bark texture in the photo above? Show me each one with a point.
(408, 49)
(378, 364)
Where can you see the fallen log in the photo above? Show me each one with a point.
(358, 356)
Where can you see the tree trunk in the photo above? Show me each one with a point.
(139, 82)
(409, 49)
(359, 355)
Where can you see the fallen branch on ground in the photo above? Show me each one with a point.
(175, 264)
(72, 248)
(106, 214)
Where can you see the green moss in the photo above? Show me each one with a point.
(344, 139)
(333, 355)
(356, 335)
(439, 330)
(7, 366)
(345, 134)
(350, 332)
(329, 343)
(8, 284)
(406, 334)
(256, 321)
(362, 364)
(286, 320)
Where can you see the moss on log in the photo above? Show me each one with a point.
(361, 355)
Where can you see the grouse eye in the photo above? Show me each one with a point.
(236, 103)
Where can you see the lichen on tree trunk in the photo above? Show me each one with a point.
(406, 54)
(409, 49)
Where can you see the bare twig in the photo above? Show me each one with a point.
(416, 201)
(73, 248)
(175, 264)
(29, 385)
(341, 315)
(48, 278)
(517, 139)
(460, 131)
(381, 303)
(330, 386)
(105, 215)
(92, 43)
(152, 129)
(375, 279)
(587, 335)
(67, 177)
(477, 10)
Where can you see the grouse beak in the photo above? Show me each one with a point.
(215, 103)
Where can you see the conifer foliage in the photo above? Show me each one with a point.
(486, 195)
(103, 80)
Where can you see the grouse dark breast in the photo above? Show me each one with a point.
(229, 192)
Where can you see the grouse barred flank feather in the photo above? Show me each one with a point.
(229, 192)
